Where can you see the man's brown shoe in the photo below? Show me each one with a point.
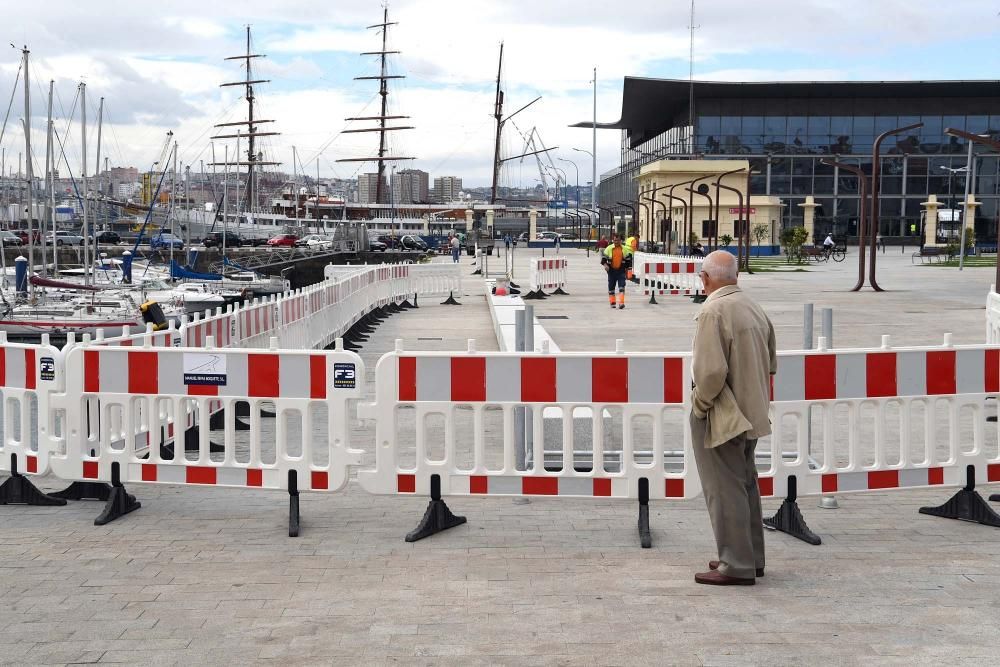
(716, 578)
(714, 565)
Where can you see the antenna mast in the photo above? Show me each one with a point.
(253, 159)
(381, 197)
(498, 115)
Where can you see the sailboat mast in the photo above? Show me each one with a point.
(498, 115)
(97, 162)
(251, 155)
(28, 161)
(384, 92)
(49, 181)
(83, 180)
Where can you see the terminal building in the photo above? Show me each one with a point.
(783, 131)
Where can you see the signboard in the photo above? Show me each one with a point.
(47, 368)
(344, 375)
(203, 368)
(742, 211)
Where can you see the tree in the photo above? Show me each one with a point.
(792, 240)
(693, 239)
(760, 231)
(725, 240)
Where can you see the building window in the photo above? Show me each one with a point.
(709, 229)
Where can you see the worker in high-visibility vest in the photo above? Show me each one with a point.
(617, 261)
(632, 243)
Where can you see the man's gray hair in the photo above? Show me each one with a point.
(720, 265)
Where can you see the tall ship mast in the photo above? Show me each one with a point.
(254, 158)
(382, 197)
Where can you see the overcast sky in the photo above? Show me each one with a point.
(159, 66)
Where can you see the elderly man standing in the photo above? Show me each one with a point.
(734, 357)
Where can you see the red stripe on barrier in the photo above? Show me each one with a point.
(609, 380)
(407, 378)
(255, 477)
(202, 390)
(766, 486)
(935, 476)
(479, 484)
(538, 379)
(90, 470)
(317, 377)
(992, 371)
(199, 475)
(143, 372)
(673, 380)
(262, 375)
(320, 479)
(690, 267)
(468, 378)
(883, 479)
(148, 472)
(993, 472)
(406, 483)
(941, 372)
(674, 488)
(602, 487)
(3, 367)
(91, 371)
(821, 376)
(880, 374)
(31, 464)
(675, 267)
(540, 486)
(829, 483)
(661, 267)
(29, 369)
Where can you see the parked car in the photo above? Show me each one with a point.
(522, 237)
(546, 236)
(282, 240)
(10, 239)
(23, 235)
(389, 241)
(314, 241)
(63, 238)
(165, 241)
(108, 238)
(377, 246)
(255, 241)
(410, 242)
(232, 240)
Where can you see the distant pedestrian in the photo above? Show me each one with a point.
(603, 243)
(506, 242)
(557, 241)
(455, 248)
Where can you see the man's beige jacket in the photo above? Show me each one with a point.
(734, 359)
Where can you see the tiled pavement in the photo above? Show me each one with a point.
(208, 576)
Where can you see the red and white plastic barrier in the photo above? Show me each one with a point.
(548, 273)
(668, 274)
(637, 393)
(131, 391)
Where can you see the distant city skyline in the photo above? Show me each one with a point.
(160, 69)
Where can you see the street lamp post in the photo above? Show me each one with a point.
(611, 219)
(876, 183)
(863, 194)
(986, 141)
(635, 215)
(687, 211)
(593, 182)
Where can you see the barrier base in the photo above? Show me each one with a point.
(450, 301)
(85, 491)
(645, 538)
(19, 490)
(537, 294)
(293, 514)
(652, 299)
(995, 497)
(967, 505)
(477, 272)
(437, 516)
(217, 421)
(788, 519)
(243, 410)
(559, 290)
(698, 298)
(119, 504)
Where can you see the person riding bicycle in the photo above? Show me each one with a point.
(616, 260)
(828, 242)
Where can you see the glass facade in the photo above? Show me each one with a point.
(785, 139)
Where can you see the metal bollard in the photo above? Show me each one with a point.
(807, 326)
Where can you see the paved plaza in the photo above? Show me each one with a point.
(209, 576)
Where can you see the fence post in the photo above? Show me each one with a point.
(826, 502)
(807, 326)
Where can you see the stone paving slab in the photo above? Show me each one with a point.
(208, 575)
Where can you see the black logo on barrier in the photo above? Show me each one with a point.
(47, 368)
(344, 376)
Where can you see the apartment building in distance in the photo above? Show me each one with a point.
(446, 189)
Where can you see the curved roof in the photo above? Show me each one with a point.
(651, 106)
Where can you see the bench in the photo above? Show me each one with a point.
(812, 252)
(931, 253)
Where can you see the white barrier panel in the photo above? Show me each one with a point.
(115, 391)
(436, 278)
(993, 316)
(163, 338)
(28, 431)
(667, 274)
(864, 420)
(461, 414)
(548, 273)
